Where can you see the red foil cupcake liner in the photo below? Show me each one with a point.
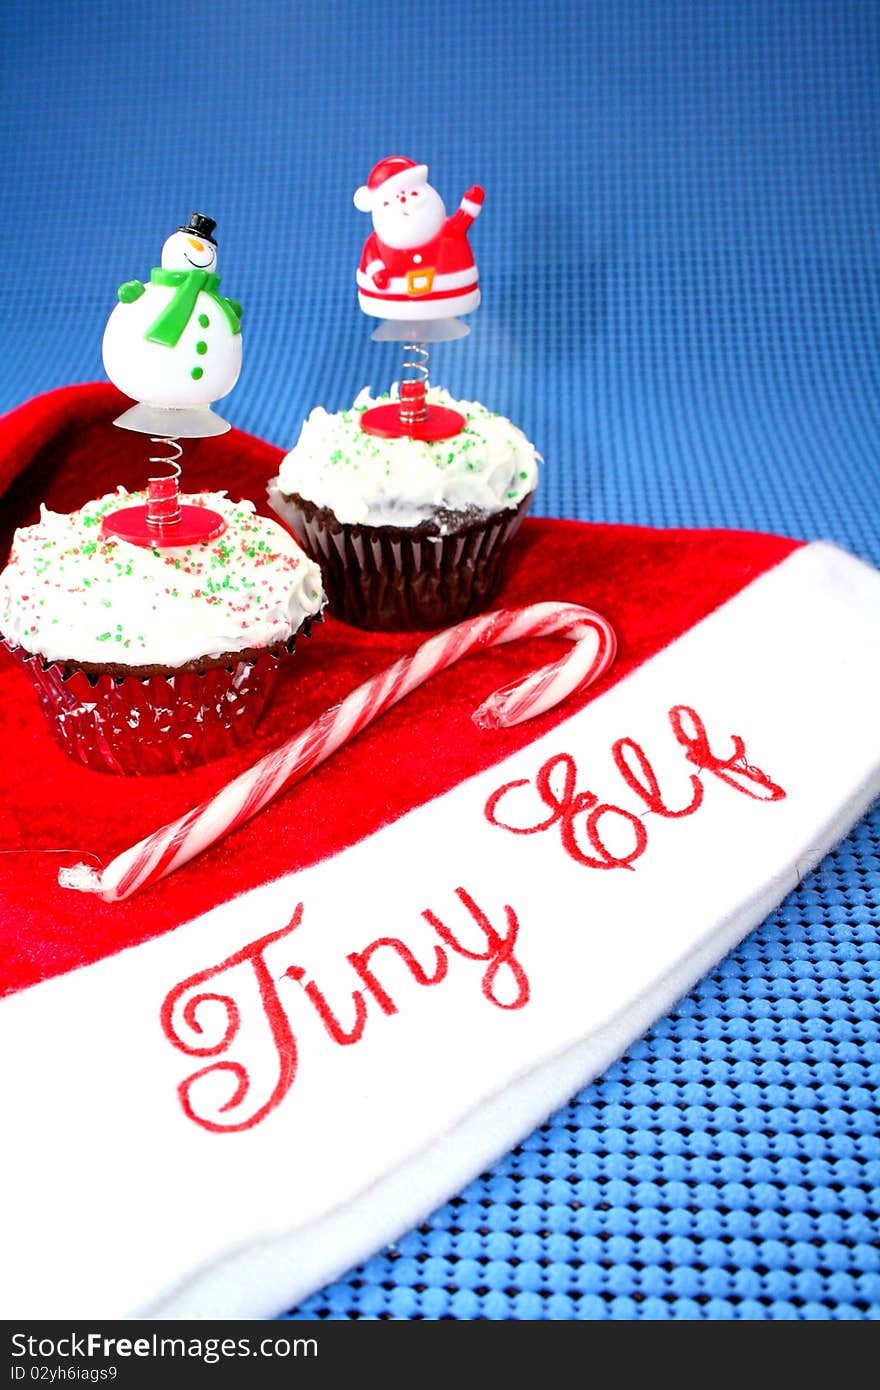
(140, 726)
(393, 579)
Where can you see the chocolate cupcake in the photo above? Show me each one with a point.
(409, 534)
(148, 660)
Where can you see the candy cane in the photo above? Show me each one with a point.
(167, 849)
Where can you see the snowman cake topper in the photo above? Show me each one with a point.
(417, 273)
(174, 346)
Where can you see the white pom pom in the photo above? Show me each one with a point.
(81, 877)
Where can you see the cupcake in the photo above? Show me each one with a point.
(409, 534)
(149, 659)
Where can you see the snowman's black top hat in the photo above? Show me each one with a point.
(201, 226)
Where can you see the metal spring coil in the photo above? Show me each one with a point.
(163, 508)
(414, 384)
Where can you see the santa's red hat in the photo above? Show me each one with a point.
(389, 175)
(286, 982)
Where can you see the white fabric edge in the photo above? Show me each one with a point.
(272, 1277)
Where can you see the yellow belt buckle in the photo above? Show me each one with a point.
(420, 281)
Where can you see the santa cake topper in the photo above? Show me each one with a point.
(416, 273)
(417, 264)
(174, 346)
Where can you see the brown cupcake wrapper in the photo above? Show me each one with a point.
(141, 724)
(392, 579)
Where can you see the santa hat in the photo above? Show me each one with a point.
(290, 1051)
(387, 177)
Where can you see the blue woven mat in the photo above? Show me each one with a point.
(679, 259)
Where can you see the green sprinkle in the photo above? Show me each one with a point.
(104, 637)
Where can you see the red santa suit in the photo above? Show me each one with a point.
(437, 279)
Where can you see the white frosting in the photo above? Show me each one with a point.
(71, 593)
(370, 481)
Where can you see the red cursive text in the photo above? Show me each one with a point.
(602, 835)
(203, 1022)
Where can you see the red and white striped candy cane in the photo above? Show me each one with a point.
(167, 849)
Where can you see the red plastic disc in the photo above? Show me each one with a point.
(194, 524)
(385, 421)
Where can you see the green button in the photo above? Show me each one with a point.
(204, 321)
(201, 348)
(196, 373)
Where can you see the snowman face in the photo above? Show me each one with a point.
(409, 215)
(186, 251)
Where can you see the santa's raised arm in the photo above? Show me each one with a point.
(417, 264)
(468, 211)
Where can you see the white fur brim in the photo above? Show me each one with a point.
(365, 198)
(419, 309)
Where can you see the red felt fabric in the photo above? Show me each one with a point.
(63, 449)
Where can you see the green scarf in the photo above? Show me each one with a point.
(187, 284)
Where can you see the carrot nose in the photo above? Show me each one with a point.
(196, 245)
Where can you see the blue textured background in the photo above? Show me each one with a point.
(679, 259)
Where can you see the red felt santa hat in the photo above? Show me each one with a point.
(387, 177)
(302, 974)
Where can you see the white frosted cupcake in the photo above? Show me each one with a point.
(147, 659)
(408, 534)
